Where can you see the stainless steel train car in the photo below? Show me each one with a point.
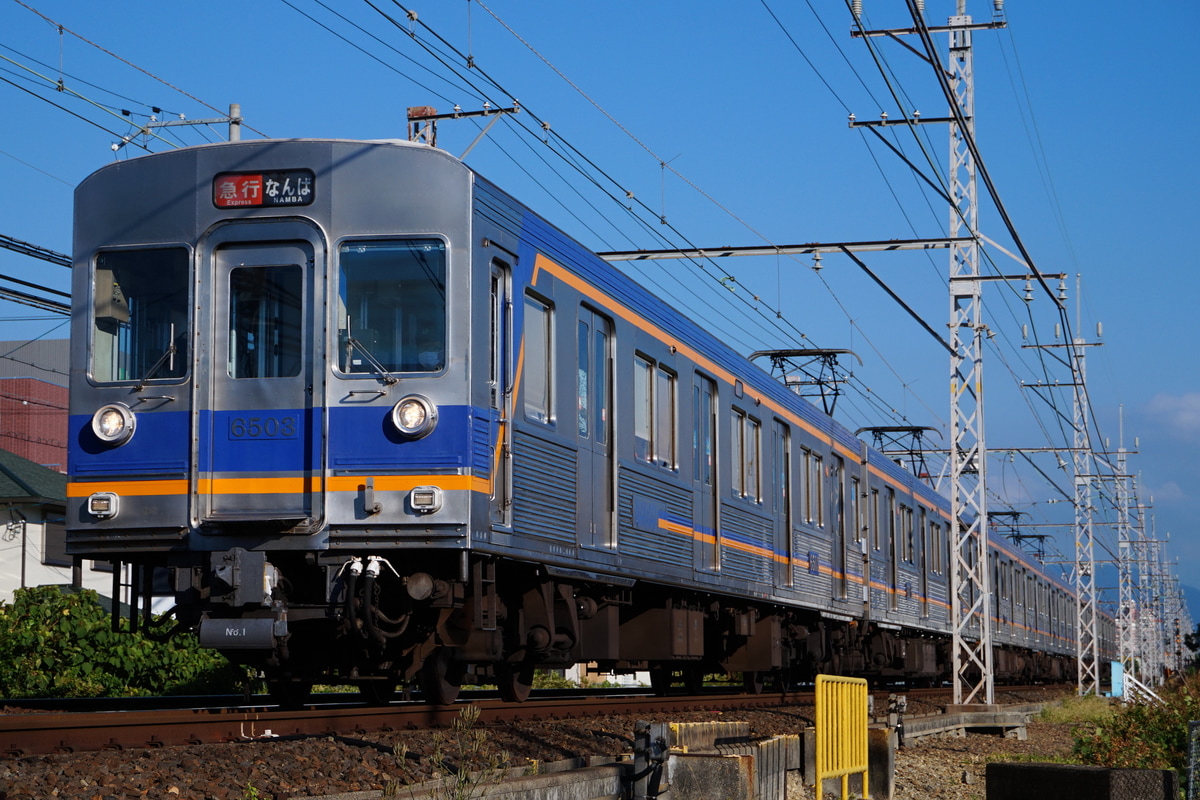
(386, 425)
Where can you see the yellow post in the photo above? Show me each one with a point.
(841, 730)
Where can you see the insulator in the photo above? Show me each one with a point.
(1024, 331)
(998, 6)
(1057, 330)
(1028, 291)
(1099, 330)
(1062, 290)
(856, 8)
(921, 7)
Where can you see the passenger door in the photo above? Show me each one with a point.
(260, 444)
(593, 429)
(501, 391)
(705, 517)
(782, 502)
(837, 479)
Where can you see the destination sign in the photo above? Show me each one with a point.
(294, 187)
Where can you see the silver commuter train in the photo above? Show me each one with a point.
(384, 424)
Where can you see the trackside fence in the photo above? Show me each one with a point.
(1193, 770)
(841, 731)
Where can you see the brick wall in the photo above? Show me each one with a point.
(33, 421)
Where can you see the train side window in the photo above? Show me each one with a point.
(876, 523)
(935, 548)
(906, 533)
(737, 445)
(746, 461)
(643, 391)
(753, 462)
(664, 418)
(392, 306)
(922, 535)
(583, 393)
(805, 478)
(539, 361)
(816, 487)
(141, 315)
(854, 514)
(654, 415)
(603, 380)
(890, 519)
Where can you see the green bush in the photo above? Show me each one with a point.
(54, 644)
(1143, 736)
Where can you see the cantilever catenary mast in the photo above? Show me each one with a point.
(971, 621)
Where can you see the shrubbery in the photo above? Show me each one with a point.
(1143, 736)
(54, 644)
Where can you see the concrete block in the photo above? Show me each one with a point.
(1069, 782)
(881, 758)
(695, 776)
(692, 736)
(881, 763)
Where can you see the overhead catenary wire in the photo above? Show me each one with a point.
(128, 63)
(551, 134)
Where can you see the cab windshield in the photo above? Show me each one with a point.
(140, 315)
(391, 313)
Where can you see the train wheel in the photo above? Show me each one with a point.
(515, 682)
(753, 682)
(289, 694)
(441, 677)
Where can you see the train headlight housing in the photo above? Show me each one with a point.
(425, 499)
(114, 424)
(103, 505)
(414, 416)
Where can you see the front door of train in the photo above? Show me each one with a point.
(259, 461)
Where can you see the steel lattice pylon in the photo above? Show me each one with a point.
(1087, 657)
(970, 592)
(1127, 603)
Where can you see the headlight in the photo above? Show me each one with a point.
(114, 424)
(414, 416)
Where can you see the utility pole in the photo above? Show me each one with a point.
(423, 120)
(970, 612)
(971, 593)
(1126, 600)
(1088, 656)
(1083, 460)
(233, 121)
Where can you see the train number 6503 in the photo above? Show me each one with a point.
(262, 428)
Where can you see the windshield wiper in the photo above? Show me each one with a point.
(355, 344)
(168, 356)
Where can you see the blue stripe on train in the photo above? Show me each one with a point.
(278, 441)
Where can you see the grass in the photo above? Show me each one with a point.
(1078, 710)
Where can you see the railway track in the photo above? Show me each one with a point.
(58, 730)
(23, 734)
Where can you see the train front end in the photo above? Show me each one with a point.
(270, 397)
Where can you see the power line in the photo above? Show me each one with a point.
(25, 248)
(63, 28)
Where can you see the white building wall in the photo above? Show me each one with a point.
(24, 542)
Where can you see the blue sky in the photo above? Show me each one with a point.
(729, 122)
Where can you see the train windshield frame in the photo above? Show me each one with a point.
(141, 320)
(391, 306)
